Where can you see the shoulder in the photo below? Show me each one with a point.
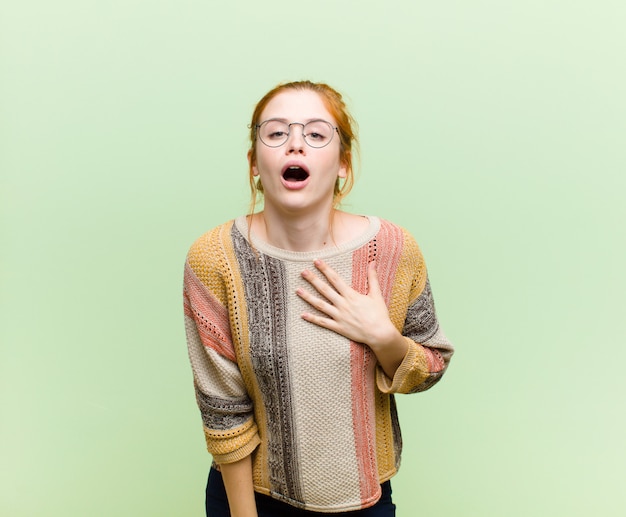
(399, 249)
(210, 236)
(393, 233)
(209, 246)
(208, 262)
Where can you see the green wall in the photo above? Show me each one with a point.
(494, 131)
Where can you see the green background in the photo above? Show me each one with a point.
(494, 131)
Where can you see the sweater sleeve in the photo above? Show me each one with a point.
(227, 411)
(429, 350)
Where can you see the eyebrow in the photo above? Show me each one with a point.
(286, 121)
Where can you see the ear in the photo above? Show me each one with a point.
(343, 171)
(255, 171)
(344, 166)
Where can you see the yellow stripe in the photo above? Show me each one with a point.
(385, 456)
(238, 311)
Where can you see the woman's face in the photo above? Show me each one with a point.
(296, 177)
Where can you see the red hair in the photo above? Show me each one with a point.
(346, 126)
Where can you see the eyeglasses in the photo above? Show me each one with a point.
(316, 133)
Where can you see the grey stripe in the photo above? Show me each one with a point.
(421, 324)
(222, 414)
(265, 284)
(421, 321)
(395, 426)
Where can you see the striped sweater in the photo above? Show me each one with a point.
(314, 409)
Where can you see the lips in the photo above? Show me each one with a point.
(295, 173)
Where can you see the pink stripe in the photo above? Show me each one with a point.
(389, 240)
(363, 413)
(210, 315)
(434, 359)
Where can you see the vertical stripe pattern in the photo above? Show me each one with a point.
(313, 408)
(264, 282)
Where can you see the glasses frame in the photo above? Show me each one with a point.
(258, 133)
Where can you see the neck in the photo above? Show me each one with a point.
(304, 232)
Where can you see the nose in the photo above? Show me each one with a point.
(295, 140)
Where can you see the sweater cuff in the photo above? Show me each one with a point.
(231, 446)
(239, 454)
(413, 370)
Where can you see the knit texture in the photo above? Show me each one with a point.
(313, 408)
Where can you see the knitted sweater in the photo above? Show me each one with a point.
(313, 408)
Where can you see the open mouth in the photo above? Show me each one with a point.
(295, 174)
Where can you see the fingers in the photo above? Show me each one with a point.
(315, 301)
(320, 286)
(328, 311)
(331, 275)
(339, 287)
(339, 307)
(372, 279)
(328, 323)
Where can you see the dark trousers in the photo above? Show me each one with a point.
(217, 503)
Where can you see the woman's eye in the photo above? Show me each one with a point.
(316, 136)
(277, 134)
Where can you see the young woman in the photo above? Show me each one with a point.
(302, 323)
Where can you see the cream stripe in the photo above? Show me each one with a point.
(322, 400)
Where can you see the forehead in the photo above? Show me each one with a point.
(297, 106)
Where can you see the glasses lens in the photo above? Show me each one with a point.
(318, 133)
(273, 133)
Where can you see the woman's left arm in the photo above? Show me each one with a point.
(364, 318)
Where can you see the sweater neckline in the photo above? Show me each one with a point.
(241, 223)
